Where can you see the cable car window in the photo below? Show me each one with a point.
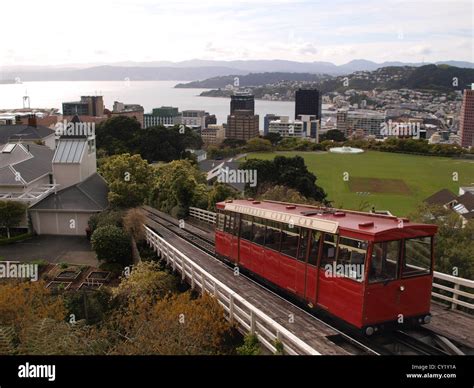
(329, 249)
(273, 235)
(246, 227)
(314, 250)
(302, 250)
(220, 221)
(258, 231)
(351, 258)
(384, 261)
(417, 257)
(229, 223)
(289, 240)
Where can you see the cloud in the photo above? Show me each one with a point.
(234, 29)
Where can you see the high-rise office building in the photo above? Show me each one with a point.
(242, 101)
(242, 125)
(466, 125)
(308, 102)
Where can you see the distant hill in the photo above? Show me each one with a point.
(253, 79)
(442, 78)
(195, 69)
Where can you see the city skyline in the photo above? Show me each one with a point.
(396, 30)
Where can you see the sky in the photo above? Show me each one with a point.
(57, 32)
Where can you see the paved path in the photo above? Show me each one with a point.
(54, 249)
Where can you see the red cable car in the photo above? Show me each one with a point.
(366, 269)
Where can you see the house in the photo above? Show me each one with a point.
(82, 192)
(462, 204)
(30, 134)
(26, 173)
(68, 211)
(61, 188)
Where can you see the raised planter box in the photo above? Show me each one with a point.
(90, 286)
(68, 275)
(99, 276)
(55, 285)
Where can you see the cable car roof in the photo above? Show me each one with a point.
(330, 220)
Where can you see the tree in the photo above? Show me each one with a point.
(454, 251)
(178, 185)
(146, 281)
(25, 302)
(106, 217)
(273, 137)
(174, 325)
(256, 144)
(289, 172)
(11, 214)
(285, 194)
(133, 224)
(220, 192)
(333, 134)
(111, 245)
(116, 134)
(129, 178)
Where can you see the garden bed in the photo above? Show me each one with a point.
(102, 276)
(58, 286)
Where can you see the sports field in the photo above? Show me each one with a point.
(395, 182)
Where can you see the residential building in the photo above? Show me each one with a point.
(28, 134)
(369, 122)
(61, 187)
(466, 125)
(286, 127)
(25, 172)
(463, 204)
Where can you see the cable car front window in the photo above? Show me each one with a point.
(417, 259)
(384, 261)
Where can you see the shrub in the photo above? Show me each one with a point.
(112, 245)
(250, 347)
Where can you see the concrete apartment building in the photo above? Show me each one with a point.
(213, 135)
(134, 111)
(86, 106)
(369, 122)
(167, 116)
(195, 119)
(287, 128)
(466, 125)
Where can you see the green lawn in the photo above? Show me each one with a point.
(423, 175)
